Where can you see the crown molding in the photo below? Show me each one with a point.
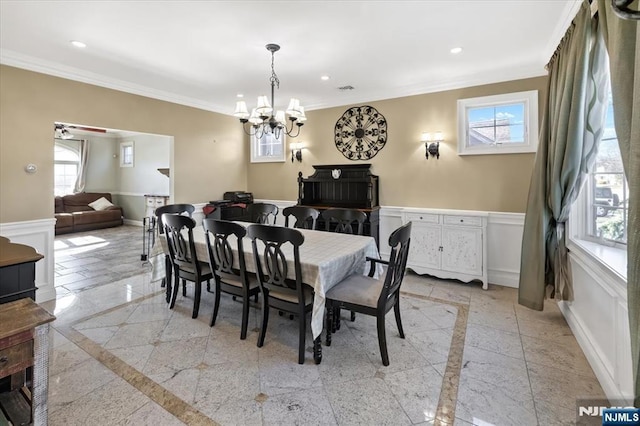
(568, 14)
(476, 79)
(30, 63)
(18, 60)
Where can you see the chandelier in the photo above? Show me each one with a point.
(262, 119)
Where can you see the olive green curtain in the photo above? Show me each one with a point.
(622, 39)
(571, 129)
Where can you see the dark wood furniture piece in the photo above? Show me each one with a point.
(345, 221)
(183, 257)
(278, 291)
(170, 209)
(24, 352)
(228, 279)
(17, 271)
(350, 186)
(263, 213)
(305, 217)
(374, 297)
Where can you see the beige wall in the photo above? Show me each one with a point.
(479, 182)
(31, 102)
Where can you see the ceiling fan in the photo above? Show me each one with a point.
(62, 130)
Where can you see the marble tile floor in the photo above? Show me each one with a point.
(470, 356)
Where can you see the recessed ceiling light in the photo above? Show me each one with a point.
(325, 77)
(239, 95)
(456, 50)
(79, 44)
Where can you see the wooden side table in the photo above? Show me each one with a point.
(17, 271)
(24, 362)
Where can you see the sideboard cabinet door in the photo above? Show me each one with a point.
(448, 244)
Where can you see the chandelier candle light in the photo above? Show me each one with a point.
(262, 119)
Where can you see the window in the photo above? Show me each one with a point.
(606, 192)
(500, 124)
(268, 148)
(126, 154)
(66, 163)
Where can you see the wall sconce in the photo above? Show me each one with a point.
(432, 145)
(296, 151)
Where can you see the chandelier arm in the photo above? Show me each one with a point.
(244, 128)
(290, 132)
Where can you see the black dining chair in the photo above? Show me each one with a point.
(229, 279)
(262, 212)
(347, 221)
(371, 296)
(182, 251)
(278, 290)
(305, 217)
(187, 209)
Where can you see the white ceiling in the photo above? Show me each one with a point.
(203, 53)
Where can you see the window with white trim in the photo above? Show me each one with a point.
(605, 195)
(499, 124)
(65, 169)
(267, 148)
(126, 154)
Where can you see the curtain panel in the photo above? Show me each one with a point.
(81, 179)
(572, 127)
(622, 38)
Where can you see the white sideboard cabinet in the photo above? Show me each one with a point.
(448, 243)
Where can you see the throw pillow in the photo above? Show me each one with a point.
(100, 204)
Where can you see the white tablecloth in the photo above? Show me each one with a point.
(326, 258)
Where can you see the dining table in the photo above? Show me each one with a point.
(326, 258)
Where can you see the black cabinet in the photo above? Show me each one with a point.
(350, 186)
(17, 271)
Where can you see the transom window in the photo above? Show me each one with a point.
(500, 124)
(66, 163)
(267, 148)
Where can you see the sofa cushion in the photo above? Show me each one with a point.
(83, 218)
(64, 220)
(100, 204)
(80, 202)
(59, 205)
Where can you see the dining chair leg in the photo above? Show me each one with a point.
(382, 341)
(245, 317)
(336, 324)
(353, 316)
(196, 298)
(176, 286)
(329, 323)
(168, 273)
(265, 320)
(302, 334)
(216, 305)
(396, 311)
(184, 288)
(317, 350)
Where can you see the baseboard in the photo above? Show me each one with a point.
(132, 222)
(504, 277)
(593, 355)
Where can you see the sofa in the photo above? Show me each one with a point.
(73, 213)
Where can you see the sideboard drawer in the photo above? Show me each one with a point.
(16, 358)
(423, 217)
(462, 220)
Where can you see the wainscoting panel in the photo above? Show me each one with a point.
(38, 234)
(598, 317)
(504, 246)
